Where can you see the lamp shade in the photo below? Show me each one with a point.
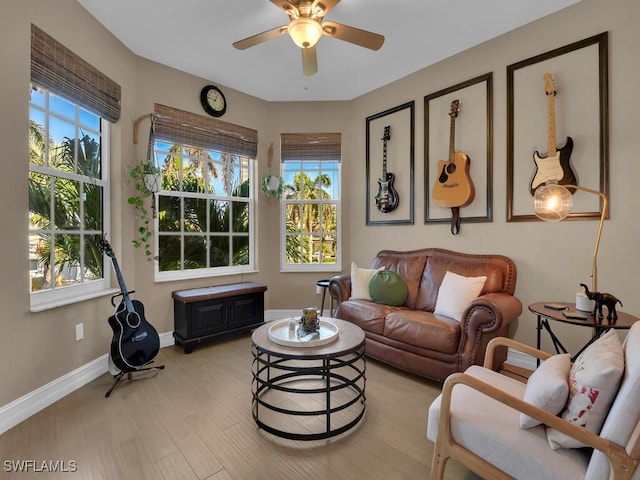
(552, 202)
(305, 32)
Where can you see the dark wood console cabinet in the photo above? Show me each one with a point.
(205, 314)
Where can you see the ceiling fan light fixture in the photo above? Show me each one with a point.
(305, 32)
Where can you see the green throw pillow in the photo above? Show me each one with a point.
(388, 288)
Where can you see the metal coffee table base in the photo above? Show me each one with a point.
(323, 395)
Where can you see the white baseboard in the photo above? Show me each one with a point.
(271, 315)
(22, 408)
(522, 360)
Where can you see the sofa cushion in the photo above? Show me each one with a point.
(388, 288)
(360, 278)
(455, 293)
(409, 265)
(492, 431)
(593, 384)
(548, 388)
(367, 315)
(436, 268)
(423, 329)
(624, 413)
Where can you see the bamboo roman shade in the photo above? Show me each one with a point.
(310, 147)
(188, 128)
(56, 68)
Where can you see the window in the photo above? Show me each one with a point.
(310, 206)
(71, 105)
(205, 221)
(68, 198)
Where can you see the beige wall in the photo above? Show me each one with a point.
(552, 258)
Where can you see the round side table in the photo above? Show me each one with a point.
(324, 284)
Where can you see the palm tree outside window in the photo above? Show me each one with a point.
(310, 205)
(68, 199)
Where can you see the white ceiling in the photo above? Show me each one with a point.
(196, 36)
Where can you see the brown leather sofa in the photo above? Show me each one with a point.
(413, 338)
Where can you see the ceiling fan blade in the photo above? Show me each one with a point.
(287, 8)
(353, 35)
(309, 61)
(324, 5)
(260, 37)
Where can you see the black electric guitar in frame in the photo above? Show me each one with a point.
(135, 341)
(386, 198)
(556, 165)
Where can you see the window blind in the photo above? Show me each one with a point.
(310, 146)
(56, 68)
(174, 125)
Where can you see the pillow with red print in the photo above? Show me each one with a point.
(593, 384)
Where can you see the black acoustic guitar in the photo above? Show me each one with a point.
(556, 165)
(135, 341)
(387, 198)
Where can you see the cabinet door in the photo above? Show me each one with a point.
(208, 317)
(246, 310)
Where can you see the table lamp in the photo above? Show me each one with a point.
(553, 202)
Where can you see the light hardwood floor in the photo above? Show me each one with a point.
(193, 421)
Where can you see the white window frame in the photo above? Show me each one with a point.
(311, 267)
(186, 274)
(59, 296)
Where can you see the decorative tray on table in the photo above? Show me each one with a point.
(281, 334)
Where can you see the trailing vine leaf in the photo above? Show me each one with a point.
(145, 229)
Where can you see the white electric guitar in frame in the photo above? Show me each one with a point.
(556, 165)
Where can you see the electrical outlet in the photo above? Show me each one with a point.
(79, 331)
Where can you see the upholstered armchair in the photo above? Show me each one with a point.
(501, 428)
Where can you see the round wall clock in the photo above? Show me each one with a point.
(213, 101)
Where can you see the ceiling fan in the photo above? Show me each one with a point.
(306, 27)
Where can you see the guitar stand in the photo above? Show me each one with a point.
(129, 373)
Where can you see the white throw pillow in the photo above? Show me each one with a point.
(548, 388)
(593, 384)
(456, 292)
(360, 278)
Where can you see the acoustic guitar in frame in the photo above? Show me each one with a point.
(453, 187)
(556, 165)
(387, 198)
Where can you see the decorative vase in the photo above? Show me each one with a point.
(309, 320)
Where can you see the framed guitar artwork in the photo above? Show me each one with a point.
(458, 159)
(389, 166)
(557, 126)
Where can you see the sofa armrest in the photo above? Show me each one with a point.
(500, 310)
(486, 317)
(340, 288)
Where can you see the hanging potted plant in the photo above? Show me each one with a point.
(148, 181)
(272, 186)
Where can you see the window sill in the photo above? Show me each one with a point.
(49, 305)
(310, 269)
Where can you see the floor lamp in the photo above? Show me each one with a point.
(553, 202)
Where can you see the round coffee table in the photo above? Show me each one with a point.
(309, 392)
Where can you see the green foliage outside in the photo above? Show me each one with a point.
(63, 211)
(225, 221)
